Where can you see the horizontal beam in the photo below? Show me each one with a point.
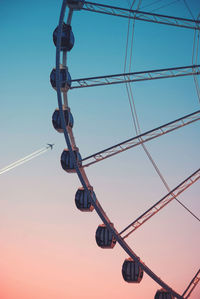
(147, 136)
(141, 15)
(136, 76)
(161, 203)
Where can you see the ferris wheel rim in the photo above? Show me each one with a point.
(100, 213)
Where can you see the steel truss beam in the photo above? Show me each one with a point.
(136, 76)
(162, 203)
(141, 15)
(192, 285)
(81, 177)
(137, 140)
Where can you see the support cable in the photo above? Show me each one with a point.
(125, 62)
(192, 285)
(150, 4)
(165, 5)
(195, 46)
(188, 8)
(137, 125)
(196, 58)
(162, 203)
(152, 211)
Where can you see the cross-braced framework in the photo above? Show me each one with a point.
(136, 76)
(137, 140)
(161, 204)
(192, 285)
(141, 15)
(73, 162)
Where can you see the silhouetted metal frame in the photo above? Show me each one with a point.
(141, 15)
(136, 76)
(97, 207)
(142, 138)
(192, 285)
(194, 177)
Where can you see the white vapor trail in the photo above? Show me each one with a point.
(24, 160)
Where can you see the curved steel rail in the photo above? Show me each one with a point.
(81, 173)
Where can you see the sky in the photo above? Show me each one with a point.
(48, 247)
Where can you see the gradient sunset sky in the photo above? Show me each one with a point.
(48, 248)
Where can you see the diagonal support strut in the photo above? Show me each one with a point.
(161, 203)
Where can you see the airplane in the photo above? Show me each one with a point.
(50, 145)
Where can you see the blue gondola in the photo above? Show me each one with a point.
(131, 271)
(104, 237)
(83, 202)
(56, 120)
(67, 37)
(75, 4)
(67, 161)
(65, 79)
(163, 294)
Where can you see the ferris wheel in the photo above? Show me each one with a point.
(86, 200)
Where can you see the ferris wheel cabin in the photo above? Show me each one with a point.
(82, 201)
(75, 4)
(131, 271)
(162, 294)
(67, 37)
(56, 119)
(104, 237)
(67, 162)
(65, 79)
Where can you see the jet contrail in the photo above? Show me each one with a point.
(26, 159)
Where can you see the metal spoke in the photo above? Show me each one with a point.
(192, 285)
(141, 15)
(161, 203)
(147, 136)
(136, 76)
(114, 79)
